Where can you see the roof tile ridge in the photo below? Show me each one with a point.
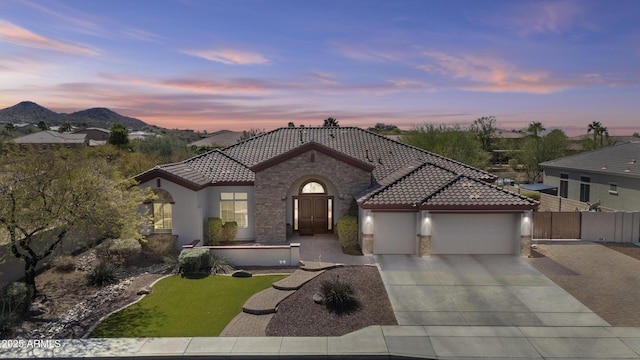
(232, 158)
(395, 182)
(426, 151)
(444, 187)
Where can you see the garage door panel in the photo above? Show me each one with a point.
(394, 233)
(475, 233)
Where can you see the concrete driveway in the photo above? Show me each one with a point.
(480, 290)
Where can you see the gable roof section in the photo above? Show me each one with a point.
(618, 160)
(308, 147)
(406, 189)
(429, 187)
(211, 168)
(470, 194)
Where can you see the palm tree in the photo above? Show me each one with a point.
(535, 128)
(66, 127)
(604, 132)
(596, 127)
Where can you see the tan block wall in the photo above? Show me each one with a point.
(272, 185)
(367, 243)
(525, 245)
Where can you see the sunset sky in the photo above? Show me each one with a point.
(212, 65)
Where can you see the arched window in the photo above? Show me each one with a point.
(313, 187)
(162, 211)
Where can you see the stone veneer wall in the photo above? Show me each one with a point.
(525, 245)
(272, 184)
(425, 245)
(367, 244)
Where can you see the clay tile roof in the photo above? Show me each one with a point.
(385, 154)
(213, 167)
(468, 193)
(408, 189)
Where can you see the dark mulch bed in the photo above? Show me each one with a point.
(299, 315)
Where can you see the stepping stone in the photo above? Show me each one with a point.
(317, 266)
(296, 280)
(266, 301)
(247, 325)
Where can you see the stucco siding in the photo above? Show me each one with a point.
(213, 208)
(628, 188)
(187, 210)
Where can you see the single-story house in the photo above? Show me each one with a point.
(53, 138)
(609, 176)
(408, 201)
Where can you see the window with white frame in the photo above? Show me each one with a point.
(613, 188)
(162, 217)
(233, 207)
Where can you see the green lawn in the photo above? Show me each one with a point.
(184, 307)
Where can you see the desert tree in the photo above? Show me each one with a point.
(119, 135)
(45, 195)
(537, 150)
(454, 142)
(330, 122)
(485, 127)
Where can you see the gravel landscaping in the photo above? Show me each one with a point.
(604, 277)
(299, 315)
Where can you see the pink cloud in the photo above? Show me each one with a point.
(14, 34)
(496, 75)
(229, 56)
(545, 17)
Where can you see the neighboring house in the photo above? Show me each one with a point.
(53, 138)
(409, 201)
(220, 138)
(610, 176)
(97, 136)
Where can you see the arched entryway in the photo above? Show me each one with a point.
(313, 209)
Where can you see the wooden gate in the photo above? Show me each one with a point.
(556, 225)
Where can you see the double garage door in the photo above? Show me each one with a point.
(395, 233)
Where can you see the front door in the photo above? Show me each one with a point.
(313, 215)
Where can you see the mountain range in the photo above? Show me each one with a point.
(30, 112)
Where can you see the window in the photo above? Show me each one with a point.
(613, 188)
(162, 219)
(313, 187)
(585, 188)
(564, 185)
(233, 207)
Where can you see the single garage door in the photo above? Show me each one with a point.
(394, 233)
(475, 233)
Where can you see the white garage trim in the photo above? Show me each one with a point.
(493, 233)
(394, 233)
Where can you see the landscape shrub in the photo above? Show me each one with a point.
(531, 194)
(513, 164)
(15, 299)
(338, 296)
(64, 263)
(214, 231)
(194, 261)
(220, 265)
(170, 263)
(229, 230)
(348, 235)
(125, 251)
(159, 246)
(103, 274)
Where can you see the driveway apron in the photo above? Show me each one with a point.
(480, 290)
